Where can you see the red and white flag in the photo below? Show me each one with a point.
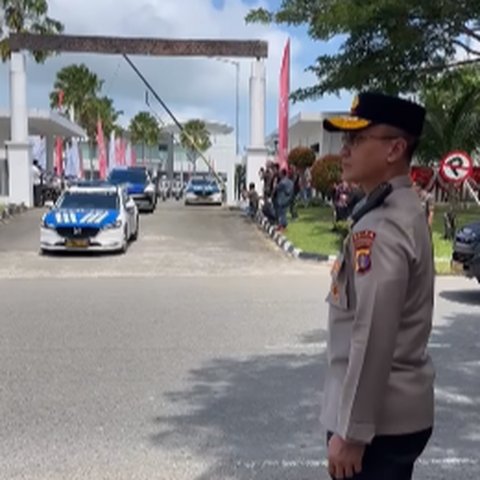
(102, 152)
(283, 108)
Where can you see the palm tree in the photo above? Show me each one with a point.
(25, 16)
(93, 110)
(144, 129)
(195, 139)
(450, 126)
(78, 84)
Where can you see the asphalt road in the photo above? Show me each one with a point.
(197, 355)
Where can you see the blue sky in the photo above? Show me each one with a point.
(200, 88)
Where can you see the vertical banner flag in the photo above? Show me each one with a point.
(123, 149)
(134, 156)
(70, 171)
(102, 151)
(39, 151)
(77, 158)
(118, 151)
(111, 151)
(59, 142)
(283, 108)
(128, 154)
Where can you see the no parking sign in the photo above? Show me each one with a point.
(456, 167)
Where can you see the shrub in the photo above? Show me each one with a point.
(326, 171)
(301, 157)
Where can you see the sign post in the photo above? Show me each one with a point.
(456, 167)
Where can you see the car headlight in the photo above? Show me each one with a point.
(114, 225)
(150, 188)
(47, 225)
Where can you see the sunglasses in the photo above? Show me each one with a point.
(353, 139)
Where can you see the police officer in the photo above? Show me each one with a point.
(378, 397)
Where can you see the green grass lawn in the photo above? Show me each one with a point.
(312, 232)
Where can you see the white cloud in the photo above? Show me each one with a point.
(190, 86)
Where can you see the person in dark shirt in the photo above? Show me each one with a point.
(253, 200)
(283, 198)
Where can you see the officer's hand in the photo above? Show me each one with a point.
(344, 458)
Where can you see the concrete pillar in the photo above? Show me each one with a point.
(231, 183)
(19, 149)
(50, 143)
(257, 152)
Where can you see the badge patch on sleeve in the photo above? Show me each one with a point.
(362, 243)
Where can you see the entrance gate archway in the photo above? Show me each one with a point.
(20, 172)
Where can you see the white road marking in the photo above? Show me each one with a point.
(311, 463)
(439, 345)
(297, 346)
(453, 397)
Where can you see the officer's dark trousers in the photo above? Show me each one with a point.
(392, 457)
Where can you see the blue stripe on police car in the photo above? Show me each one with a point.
(69, 217)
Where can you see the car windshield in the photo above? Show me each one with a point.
(127, 176)
(201, 182)
(100, 201)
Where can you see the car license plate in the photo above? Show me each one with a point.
(456, 267)
(75, 243)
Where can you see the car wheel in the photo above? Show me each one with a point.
(135, 233)
(124, 247)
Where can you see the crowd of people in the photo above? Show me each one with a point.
(344, 198)
(281, 190)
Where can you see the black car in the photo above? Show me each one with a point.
(466, 251)
(140, 185)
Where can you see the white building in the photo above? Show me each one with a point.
(306, 130)
(221, 154)
(40, 123)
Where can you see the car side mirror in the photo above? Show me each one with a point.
(49, 204)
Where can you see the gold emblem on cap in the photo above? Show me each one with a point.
(355, 103)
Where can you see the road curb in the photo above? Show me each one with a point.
(11, 210)
(288, 246)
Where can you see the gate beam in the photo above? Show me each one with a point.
(138, 46)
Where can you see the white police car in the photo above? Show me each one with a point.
(90, 218)
(203, 191)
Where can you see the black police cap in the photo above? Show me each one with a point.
(372, 108)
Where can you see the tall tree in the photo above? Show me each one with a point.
(25, 16)
(144, 129)
(387, 44)
(194, 139)
(453, 114)
(93, 110)
(78, 84)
